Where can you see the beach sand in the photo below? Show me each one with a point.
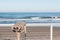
(56, 33)
(33, 33)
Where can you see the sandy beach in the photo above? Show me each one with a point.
(33, 33)
(56, 33)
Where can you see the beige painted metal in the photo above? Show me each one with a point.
(21, 27)
(18, 35)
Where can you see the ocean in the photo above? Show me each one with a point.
(18, 15)
(4, 16)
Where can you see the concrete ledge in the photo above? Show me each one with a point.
(33, 24)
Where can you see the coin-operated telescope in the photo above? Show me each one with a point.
(19, 27)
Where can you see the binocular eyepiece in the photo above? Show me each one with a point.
(18, 27)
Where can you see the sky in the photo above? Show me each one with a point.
(29, 5)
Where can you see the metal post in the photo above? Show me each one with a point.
(51, 32)
(18, 35)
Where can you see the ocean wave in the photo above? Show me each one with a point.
(26, 15)
(29, 21)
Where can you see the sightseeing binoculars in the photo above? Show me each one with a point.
(19, 26)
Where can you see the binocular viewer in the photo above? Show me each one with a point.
(19, 26)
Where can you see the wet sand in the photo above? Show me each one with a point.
(33, 33)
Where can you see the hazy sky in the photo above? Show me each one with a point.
(29, 5)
